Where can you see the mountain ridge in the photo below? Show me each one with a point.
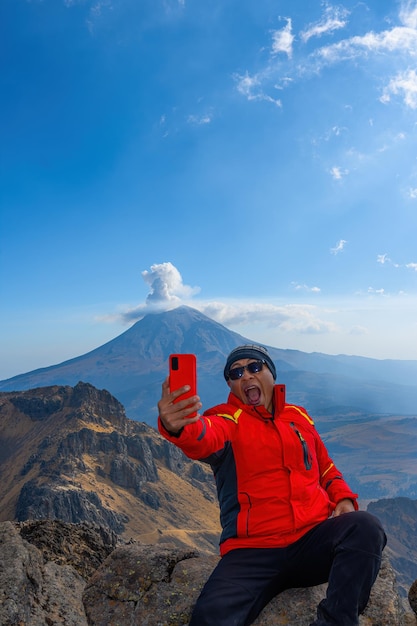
(70, 453)
(133, 365)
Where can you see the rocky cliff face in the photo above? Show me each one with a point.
(55, 573)
(399, 518)
(71, 454)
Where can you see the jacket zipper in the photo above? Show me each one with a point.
(306, 452)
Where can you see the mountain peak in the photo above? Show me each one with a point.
(133, 366)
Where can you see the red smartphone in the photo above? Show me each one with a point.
(183, 371)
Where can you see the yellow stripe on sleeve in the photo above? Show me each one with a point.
(303, 413)
(234, 417)
(328, 469)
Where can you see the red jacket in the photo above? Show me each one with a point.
(274, 477)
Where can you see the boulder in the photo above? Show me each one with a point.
(155, 586)
(54, 573)
(34, 592)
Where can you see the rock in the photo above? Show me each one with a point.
(158, 587)
(33, 592)
(53, 573)
(82, 546)
(412, 596)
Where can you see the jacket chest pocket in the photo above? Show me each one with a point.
(303, 448)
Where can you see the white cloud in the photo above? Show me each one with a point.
(251, 88)
(333, 19)
(408, 13)
(412, 266)
(335, 131)
(405, 84)
(282, 40)
(339, 247)
(400, 38)
(166, 284)
(383, 258)
(167, 291)
(306, 288)
(289, 318)
(246, 84)
(394, 45)
(337, 173)
(199, 120)
(379, 292)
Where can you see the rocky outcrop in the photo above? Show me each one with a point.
(54, 501)
(71, 454)
(43, 570)
(162, 585)
(412, 596)
(54, 573)
(399, 519)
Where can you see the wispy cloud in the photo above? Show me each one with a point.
(282, 40)
(378, 292)
(339, 247)
(199, 120)
(333, 19)
(384, 259)
(405, 85)
(251, 88)
(399, 38)
(337, 173)
(398, 43)
(306, 288)
(96, 12)
(289, 318)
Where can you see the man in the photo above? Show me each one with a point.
(288, 517)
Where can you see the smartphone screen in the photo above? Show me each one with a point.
(183, 371)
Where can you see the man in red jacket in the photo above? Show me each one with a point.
(288, 517)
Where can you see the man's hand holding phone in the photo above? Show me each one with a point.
(179, 404)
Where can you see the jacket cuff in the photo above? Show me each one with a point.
(164, 431)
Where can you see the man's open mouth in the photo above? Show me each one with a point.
(253, 394)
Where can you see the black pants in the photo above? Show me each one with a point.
(344, 551)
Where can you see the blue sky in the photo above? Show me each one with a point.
(255, 160)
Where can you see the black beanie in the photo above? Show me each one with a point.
(250, 352)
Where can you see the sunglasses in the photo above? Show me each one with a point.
(253, 368)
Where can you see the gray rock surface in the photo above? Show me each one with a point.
(34, 592)
(141, 585)
(56, 573)
(412, 596)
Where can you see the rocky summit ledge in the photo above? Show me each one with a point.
(55, 573)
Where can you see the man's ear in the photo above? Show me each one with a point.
(228, 382)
